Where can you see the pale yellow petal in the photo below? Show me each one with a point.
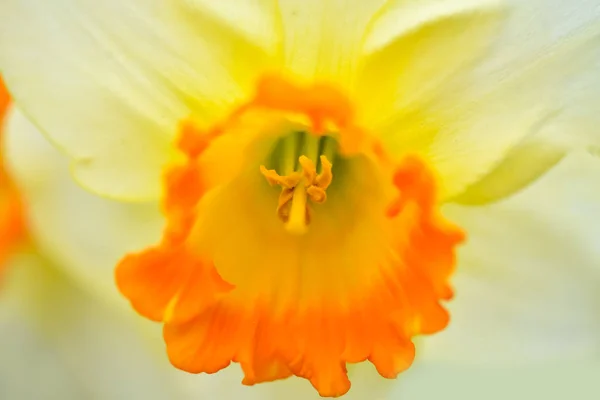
(412, 48)
(85, 234)
(522, 165)
(59, 342)
(399, 17)
(548, 95)
(108, 81)
(400, 87)
(527, 279)
(538, 78)
(323, 39)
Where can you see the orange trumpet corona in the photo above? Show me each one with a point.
(294, 245)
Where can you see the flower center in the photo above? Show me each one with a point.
(328, 273)
(304, 174)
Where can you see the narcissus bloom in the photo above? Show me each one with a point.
(302, 151)
(531, 303)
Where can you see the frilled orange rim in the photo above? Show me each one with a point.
(12, 221)
(351, 261)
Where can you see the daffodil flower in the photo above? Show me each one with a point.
(520, 318)
(302, 151)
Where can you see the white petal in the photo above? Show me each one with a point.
(108, 81)
(58, 342)
(528, 277)
(84, 233)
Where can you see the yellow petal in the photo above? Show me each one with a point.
(468, 119)
(527, 281)
(59, 342)
(564, 64)
(326, 39)
(401, 83)
(108, 81)
(84, 233)
(399, 17)
(323, 38)
(414, 47)
(549, 98)
(523, 165)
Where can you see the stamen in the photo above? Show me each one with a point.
(323, 180)
(299, 187)
(297, 223)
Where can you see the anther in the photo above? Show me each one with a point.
(297, 188)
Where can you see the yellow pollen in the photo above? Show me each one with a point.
(297, 188)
